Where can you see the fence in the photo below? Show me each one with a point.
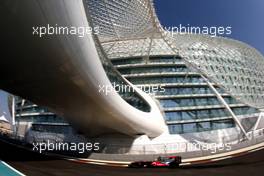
(125, 151)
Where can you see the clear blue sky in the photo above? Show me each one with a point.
(246, 17)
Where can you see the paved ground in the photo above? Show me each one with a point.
(248, 165)
(35, 165)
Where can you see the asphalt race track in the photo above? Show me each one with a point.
(36, 165)
(248, 165)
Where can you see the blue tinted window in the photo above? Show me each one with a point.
(190, 127)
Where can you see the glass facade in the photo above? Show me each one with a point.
(140, 60)
(50, 119)
(165, 59)
(244, 110)
(27, 111)
(166, 79)
(131, 97)
(140, 70)
(57, 129)
(32, 108)
(196, 114)
(190, 105)
(33, 118)
(201, 126)
(189, 102)
(127, 61)
(185, 90)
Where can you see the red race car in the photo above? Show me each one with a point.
(171, 161)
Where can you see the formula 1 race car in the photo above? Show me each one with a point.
(171, 162)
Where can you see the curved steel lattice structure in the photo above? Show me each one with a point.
(131, 28)
(236, 66)
(124, 19)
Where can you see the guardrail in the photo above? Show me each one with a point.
(120, 152)
(136, 152)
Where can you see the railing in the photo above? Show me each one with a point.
(190, 149)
